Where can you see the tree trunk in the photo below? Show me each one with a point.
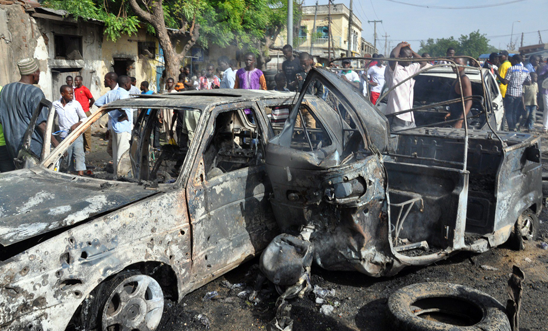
(156, 19)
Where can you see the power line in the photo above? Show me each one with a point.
(489, 37)
(465, 7)
(374, 11)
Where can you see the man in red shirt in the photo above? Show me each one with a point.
(84, 97)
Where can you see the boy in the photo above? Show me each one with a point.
(280, 82)
(530, 104)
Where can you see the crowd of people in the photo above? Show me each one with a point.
(518, 85)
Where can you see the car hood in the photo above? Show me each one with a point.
(35, 201)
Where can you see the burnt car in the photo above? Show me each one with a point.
(350, 195)
(104, 253)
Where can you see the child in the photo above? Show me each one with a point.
(280, 82)
(530, 104)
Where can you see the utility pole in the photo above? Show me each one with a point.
(385, 44)
(313, 30)
(540, 38)
(329, 32)
(521, 40)
(375, 23)
(349, 39)
(290, 22)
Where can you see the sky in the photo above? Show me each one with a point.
(412, 24)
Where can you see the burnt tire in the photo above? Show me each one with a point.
(525, 229)
(445, 307)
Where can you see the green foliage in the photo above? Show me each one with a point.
(114, 13)
(473, 44)
(243, 23)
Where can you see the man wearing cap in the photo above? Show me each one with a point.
(17, 105)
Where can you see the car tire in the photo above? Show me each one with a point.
(526, 228)
(445, 307)
(129, 300)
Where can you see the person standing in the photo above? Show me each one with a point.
(543, 79)
(280, 82)
(134, 90)
(291, 66)
(464, 89)
(530, 103)
(69, 81)
(493, 63)
(70, 115)
(376, 79)
(210, 80)
(156, 125)
(184, 77)
(250, 78)
(307, 63)
(350, 75)
(18, 102)
(532, 66)
(503, 69)
(83, 95)
(401, 98)
(120, 120)
(229, 75)
(516, 76)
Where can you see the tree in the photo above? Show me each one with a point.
(250, 24)
(473, 44)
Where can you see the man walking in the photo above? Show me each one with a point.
(401, 98)
(70, 115)
(229, 75)
(17, 105)
(376, 79)
(83, 95)
(291, 66)
(120, 120)
(516, 76)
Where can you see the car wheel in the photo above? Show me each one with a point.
(445, 307)
(526, 228)
(131, 301)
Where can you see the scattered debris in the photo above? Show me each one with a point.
(244, 294)
(228, 285)
(515, 293)
(210, 295)
(323, 293)
(319, 301)
(488, 267)
(203, 319)
(543, 245)
(528, 260)
(327, 309)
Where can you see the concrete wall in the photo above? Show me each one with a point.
(23, 36)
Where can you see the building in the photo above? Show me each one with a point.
(540, 49)
(64, 45)
(315, 40)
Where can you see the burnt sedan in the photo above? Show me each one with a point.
(104, 253)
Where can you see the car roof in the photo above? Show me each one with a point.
(447, 72)
(197, 99)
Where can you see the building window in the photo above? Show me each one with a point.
(68, 47)
(147, 48)
(322, 31)
(303, 32)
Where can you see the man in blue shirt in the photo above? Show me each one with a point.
(229, 75)
(120, 120)
(533, 63)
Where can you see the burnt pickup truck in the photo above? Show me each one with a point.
(349, 195)
(345, 193)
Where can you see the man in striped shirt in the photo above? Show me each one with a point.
(516, 77)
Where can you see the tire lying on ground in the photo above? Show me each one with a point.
(445, 307)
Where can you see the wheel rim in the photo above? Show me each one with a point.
(137, 303)
(526, 227)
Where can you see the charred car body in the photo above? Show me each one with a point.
(345, 193)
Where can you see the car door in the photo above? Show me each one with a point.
(228, 190)
(497, 102)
